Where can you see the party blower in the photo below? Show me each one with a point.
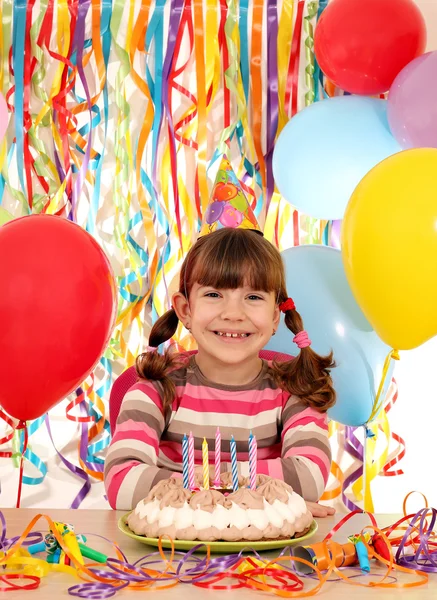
(354, 552)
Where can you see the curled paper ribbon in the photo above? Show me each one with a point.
(382, 464)
(125, 57)
(159, 571)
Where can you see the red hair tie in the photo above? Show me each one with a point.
(287, 305)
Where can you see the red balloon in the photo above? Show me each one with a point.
(361, 45)
(57, 311)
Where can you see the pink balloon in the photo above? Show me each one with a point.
(412, 105)
(231, 217)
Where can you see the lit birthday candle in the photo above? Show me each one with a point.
(191, 462)
(253, 451)
(185, 461)
(218, 450)
(234, 465)
(205, 465)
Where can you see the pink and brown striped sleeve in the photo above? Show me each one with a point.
(306, 454)
(131, 462)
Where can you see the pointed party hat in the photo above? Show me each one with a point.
(228, 205)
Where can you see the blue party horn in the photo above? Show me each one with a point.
(55, 557)
(41, 546)
(363, 556)
(35, 548)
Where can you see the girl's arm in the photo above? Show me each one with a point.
(130, 465)
(306, 454)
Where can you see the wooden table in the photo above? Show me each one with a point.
(104, 522)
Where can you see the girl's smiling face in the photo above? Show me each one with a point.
(230, 327)
(230, 284)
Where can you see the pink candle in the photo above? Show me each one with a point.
(192, 483)
(253, 451)
(218, 450)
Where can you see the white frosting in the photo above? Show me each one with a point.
(221, 517)
(167, 516)
(184, 517)
(211, 517)
(149, 510)
(238, 516)
(298, 504)
(202, 518)
(258, 518)
(275, 518)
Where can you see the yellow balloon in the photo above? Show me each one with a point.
(389, 247)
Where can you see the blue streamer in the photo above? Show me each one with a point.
(18, 46)
(105, 32)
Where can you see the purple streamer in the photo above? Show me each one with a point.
(272, 109)
(33, 537)
(336, 234)
(190, 568)
(95, 590)
(422, 559)
(75, 470)
(84, 439)
(176, 8)
(78, 46)
(58, 164)
(353, 446)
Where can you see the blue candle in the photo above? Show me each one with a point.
(185, 461)
(234, 464)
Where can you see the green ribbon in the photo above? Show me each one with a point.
(312, 8)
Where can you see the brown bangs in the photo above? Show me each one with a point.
(232, 258)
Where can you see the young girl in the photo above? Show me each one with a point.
(231, 292)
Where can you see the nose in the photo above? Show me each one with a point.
(233, 310)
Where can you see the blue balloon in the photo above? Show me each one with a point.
(326, 149)
(317, 283)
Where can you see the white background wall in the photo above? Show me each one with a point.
(414, 417)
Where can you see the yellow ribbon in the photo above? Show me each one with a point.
(377, 422)
(373, 465)
(377, 404)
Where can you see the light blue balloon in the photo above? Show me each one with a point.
(326, 149)
(317, 283)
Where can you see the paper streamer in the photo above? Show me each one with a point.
(121, 112)
(381, 464)
(278, 575)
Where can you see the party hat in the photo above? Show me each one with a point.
(228, 205)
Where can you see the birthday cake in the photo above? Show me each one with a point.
(271, 511)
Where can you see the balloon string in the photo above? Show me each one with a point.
(22, 425)
(377, 405)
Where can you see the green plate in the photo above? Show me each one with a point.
(216, 547)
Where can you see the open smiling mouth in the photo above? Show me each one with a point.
(232, 335)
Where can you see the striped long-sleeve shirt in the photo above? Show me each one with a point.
(292, 438)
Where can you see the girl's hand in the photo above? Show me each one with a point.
(318, 510)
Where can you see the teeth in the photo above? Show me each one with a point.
(233, 335)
